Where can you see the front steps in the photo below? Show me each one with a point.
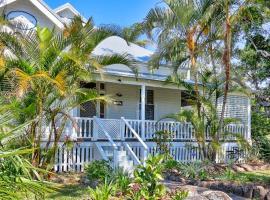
(122, 160)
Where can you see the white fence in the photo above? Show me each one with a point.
(75, 158)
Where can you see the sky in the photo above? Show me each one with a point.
(119, 12)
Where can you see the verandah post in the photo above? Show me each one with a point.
(122, 129)
(143, 94)
(143, 91)
(95, 129)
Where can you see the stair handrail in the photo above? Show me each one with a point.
(103, 155)
(135, 133)
(105, 132)
(137, 160)
(145, 152)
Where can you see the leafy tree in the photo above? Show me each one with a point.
(254, 68)
(46, 69)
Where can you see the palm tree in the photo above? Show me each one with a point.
(207, 126)
(197, 34)
(182, 30)
(46, 69)
(18, 178)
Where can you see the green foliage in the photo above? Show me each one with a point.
(260, 129)
(98, 170)
(205, 118)
(103, 192)
(260, 124)
(171, 164)
(180, 195)
(163, 140)
(45, 74)
(258, 177)
(194, 170)
(148, 178)
(18, 177)
(121, 180)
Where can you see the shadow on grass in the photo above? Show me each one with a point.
(255, 177)
(70, 192)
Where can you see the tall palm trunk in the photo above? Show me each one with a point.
(191, 44)
(227, 64)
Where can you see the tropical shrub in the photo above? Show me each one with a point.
(180, 195)
(147, 179)
(18, 177)
(260, 129)
(163, 141)
(193, 170)
(98, 170)
(171, 164)
(103, 192)
(122, 181)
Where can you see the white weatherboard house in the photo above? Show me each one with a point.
(123, 130)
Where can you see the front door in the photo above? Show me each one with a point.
(88, 109)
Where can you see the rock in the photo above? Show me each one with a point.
(192, 190)
(267, 197)
(174, 178)
(204, 184)
(259, 192)
(247, 191)
(227, 187)
(237, 190)
(247, 167)
(238, 168)
(216, 195)
(196, 197)
(84, 180)
(214, 186)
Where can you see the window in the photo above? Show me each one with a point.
(88, 109)
(102, 86)
(102, 108)
(149, 105)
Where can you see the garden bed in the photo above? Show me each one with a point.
(245, 180)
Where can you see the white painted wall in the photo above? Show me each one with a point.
(130, 98)
(166, 101)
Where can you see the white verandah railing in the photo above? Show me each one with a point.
(93, 133)
(119, 130)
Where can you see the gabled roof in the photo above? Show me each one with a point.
(67, 6)
(44, 8)
(115, 44)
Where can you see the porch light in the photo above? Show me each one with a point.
(118, 103)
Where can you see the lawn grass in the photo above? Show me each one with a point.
(256, 177)
(68, 192)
